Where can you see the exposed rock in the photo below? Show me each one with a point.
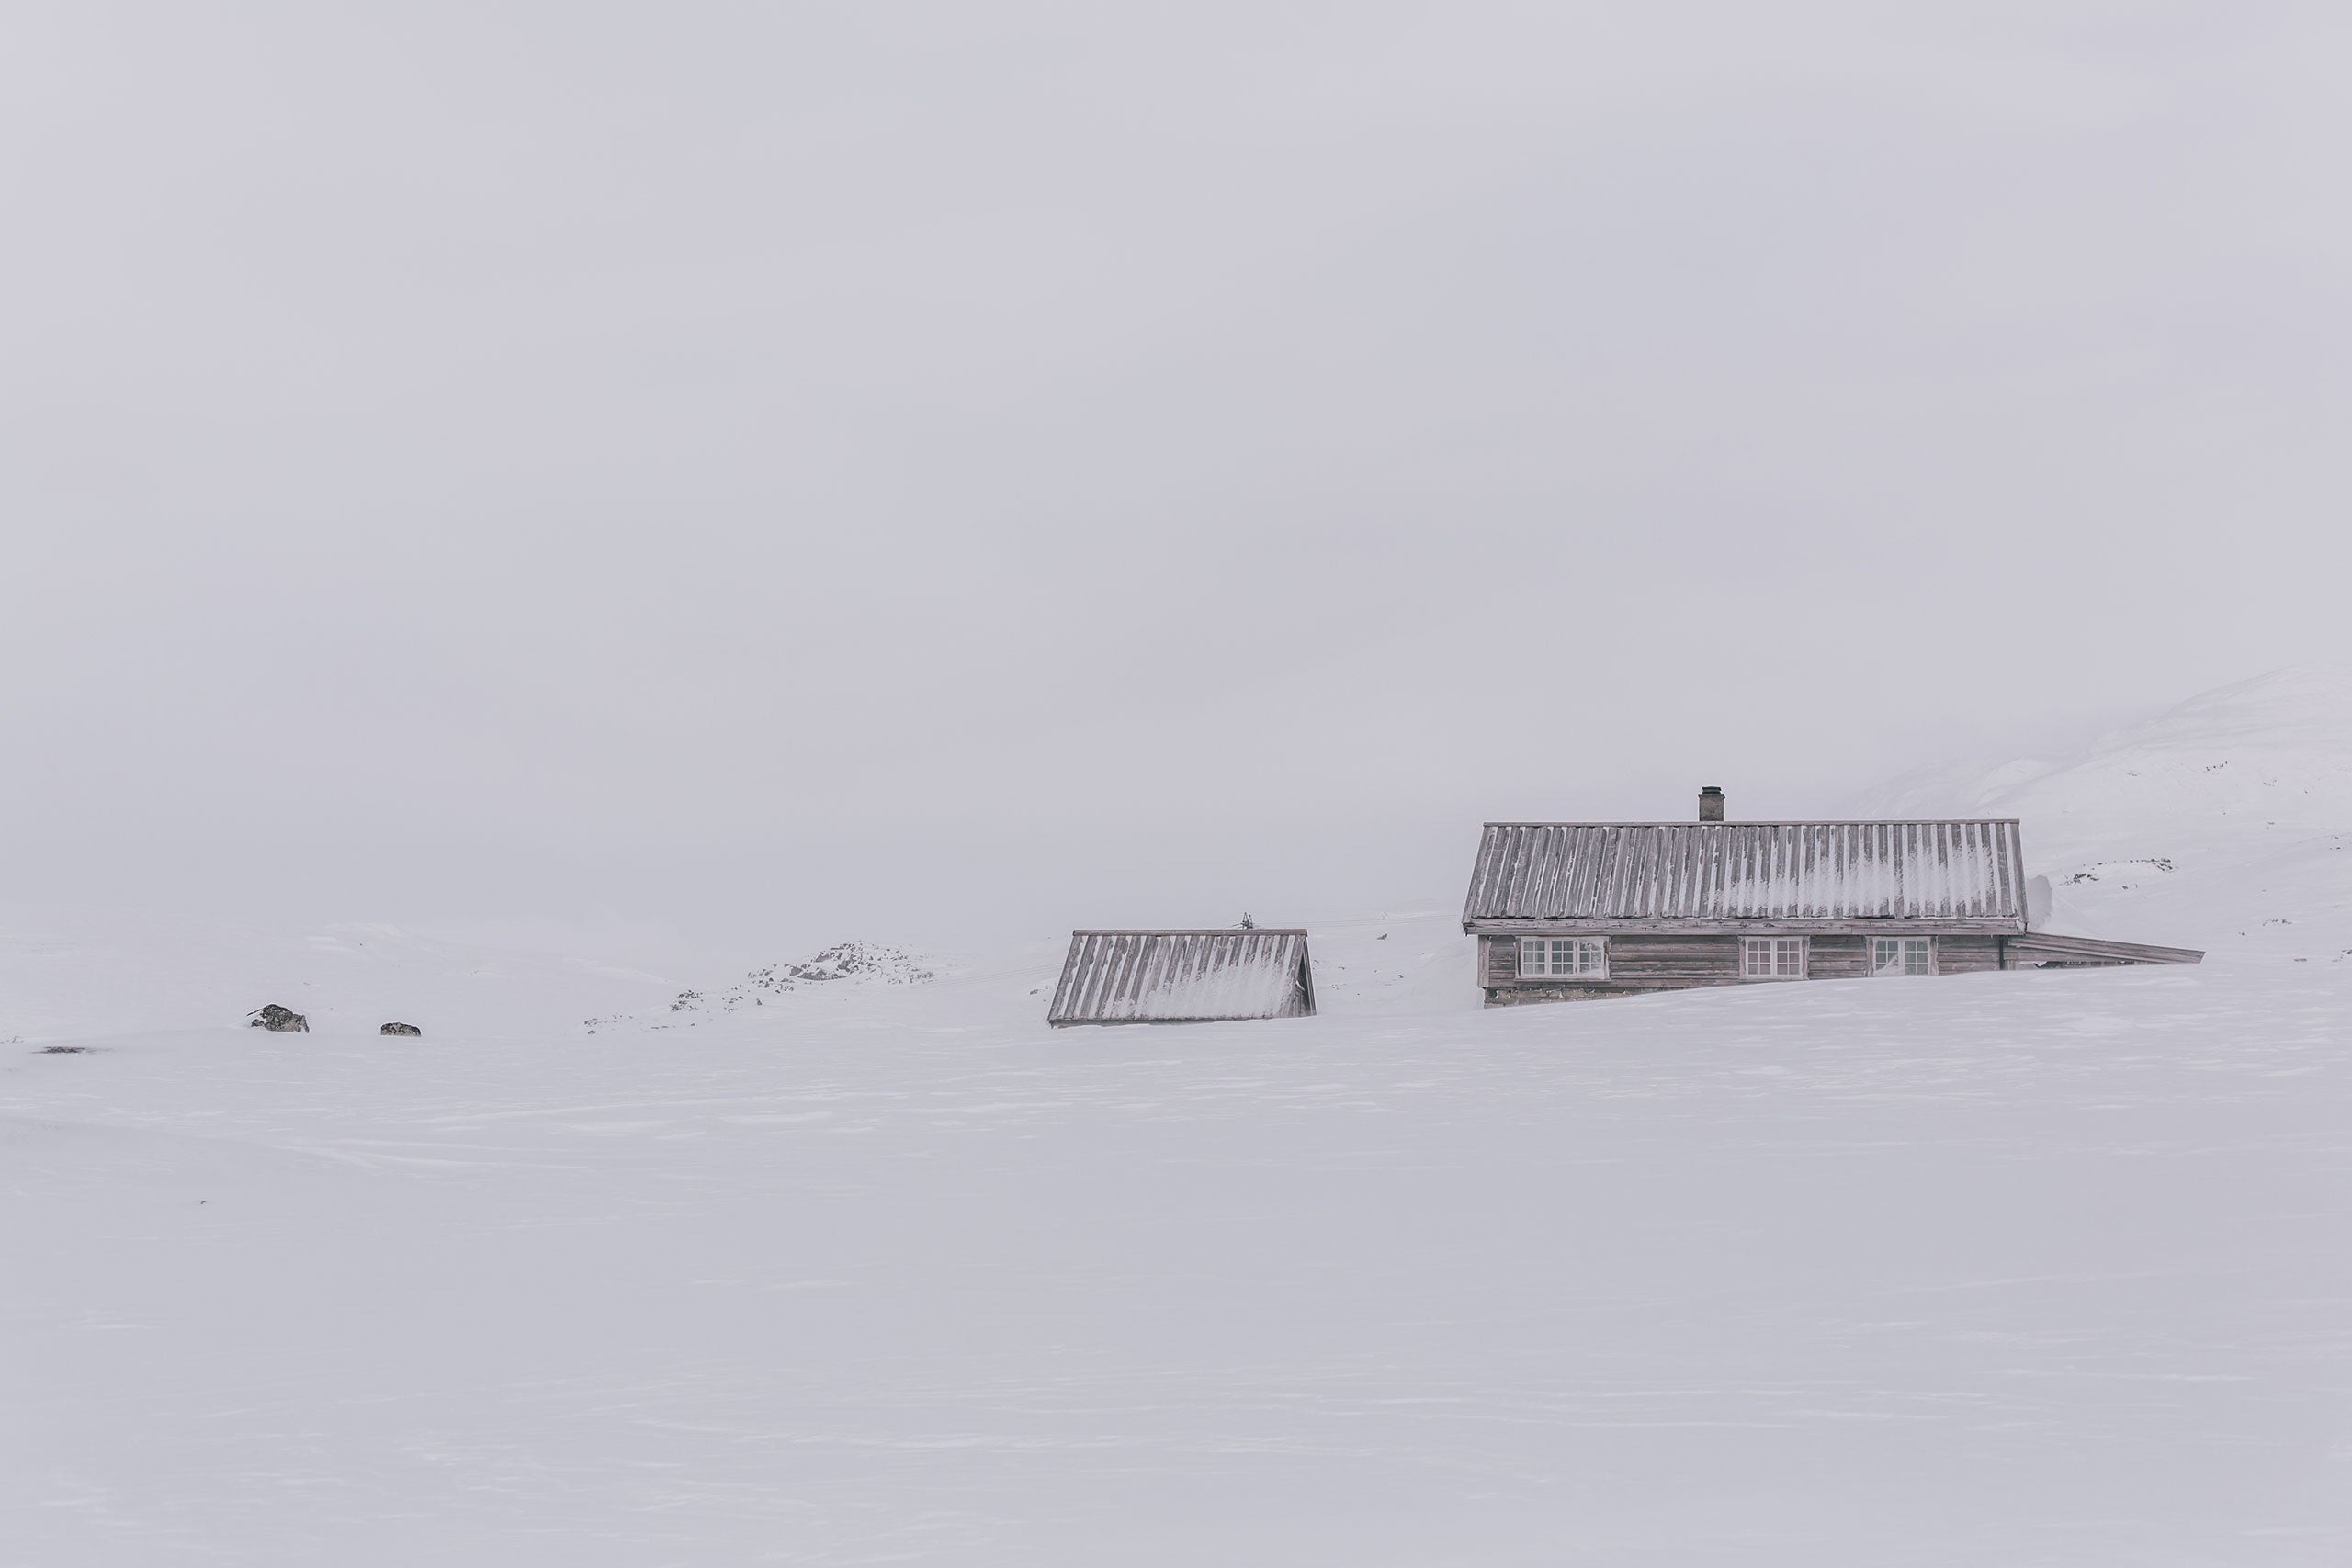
(865, 962)
(400, 1029)
(283, 1020)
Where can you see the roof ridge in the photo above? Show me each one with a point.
(1188, 930)
(1781, 822)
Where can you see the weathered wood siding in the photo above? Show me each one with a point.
(1520, 996)
(1674, 960)
(1849, 957)
(1838, 958)
(1656, 962)
(1649, 961)
(1967, 955)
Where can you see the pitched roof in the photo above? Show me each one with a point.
(1705, 872)
(1187, 976)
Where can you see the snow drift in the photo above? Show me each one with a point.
(2024, 1268)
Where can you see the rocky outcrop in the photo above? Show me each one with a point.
(870, 961)
(843, 963)
(400, 1029)
(281, 1021)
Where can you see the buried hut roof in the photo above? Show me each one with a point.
(1676, 871)
(1183, 976)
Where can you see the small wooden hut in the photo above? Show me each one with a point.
(1183, 976)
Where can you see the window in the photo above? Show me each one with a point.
(1773, 957)
(1581, 955)
(1902, 955)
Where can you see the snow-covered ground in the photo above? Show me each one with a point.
(2005, 1268)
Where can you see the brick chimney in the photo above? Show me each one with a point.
(1711, 804)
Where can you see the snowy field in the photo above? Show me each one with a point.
(2017, 1268)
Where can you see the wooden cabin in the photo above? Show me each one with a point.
(1183, 976)
(1568, 910)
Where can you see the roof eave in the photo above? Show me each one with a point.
(1189, 930)
(1633, 925)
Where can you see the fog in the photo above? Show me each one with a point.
(740, 476)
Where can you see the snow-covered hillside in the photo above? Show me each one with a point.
(2224, 824)
(2027, 1267)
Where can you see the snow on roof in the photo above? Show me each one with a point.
(1169, 976)
(1731, 871)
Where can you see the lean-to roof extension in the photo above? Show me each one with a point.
(1966, 875)
(1183, 976)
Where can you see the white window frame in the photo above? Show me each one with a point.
(1772, 970)
(1927, 955)
(1588, 956)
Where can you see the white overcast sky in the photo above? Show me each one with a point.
(775, 471)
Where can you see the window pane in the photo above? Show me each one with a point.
(1902, 955)
(1530, 956)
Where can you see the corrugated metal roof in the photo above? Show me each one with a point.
(1732, 871)
(1183, 976)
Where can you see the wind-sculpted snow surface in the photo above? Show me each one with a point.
(2019, 1269)
(2012, 1268)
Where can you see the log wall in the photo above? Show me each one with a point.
(1654, 961)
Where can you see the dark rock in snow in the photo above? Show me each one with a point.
(284, 1021)
(400, 1029)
